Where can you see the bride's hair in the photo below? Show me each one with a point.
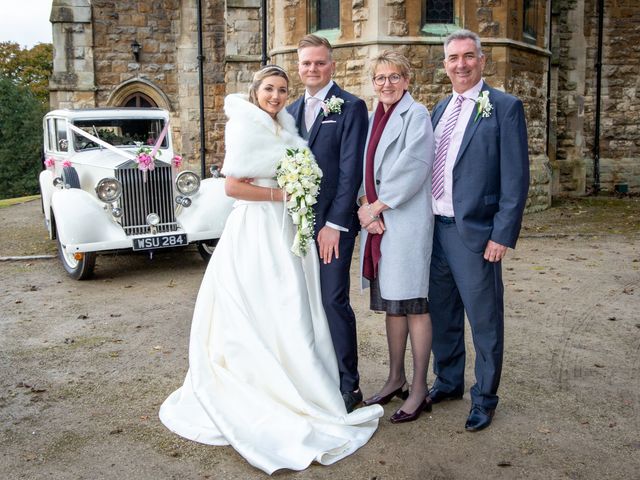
(260, 75)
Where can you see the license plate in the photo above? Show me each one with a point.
(160, 241)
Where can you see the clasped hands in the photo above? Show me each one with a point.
(369, 217)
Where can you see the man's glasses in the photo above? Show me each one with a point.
(380, 80)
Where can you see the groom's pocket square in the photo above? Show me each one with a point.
(329, 121)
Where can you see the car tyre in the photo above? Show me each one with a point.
(77, 269)
(206, 248)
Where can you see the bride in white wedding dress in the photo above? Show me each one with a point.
(263, 375)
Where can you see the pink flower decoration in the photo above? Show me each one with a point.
(325, 109)
(176, 161)
(50, 162)
(66, 163)
(145, 162)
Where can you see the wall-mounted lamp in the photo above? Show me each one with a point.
(135, 49)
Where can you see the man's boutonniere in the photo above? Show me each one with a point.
(483, 105)
(332, 105)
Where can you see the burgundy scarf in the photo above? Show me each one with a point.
(372, 253)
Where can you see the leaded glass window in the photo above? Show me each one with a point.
(439, 11)
(327, 14)
(530, 23)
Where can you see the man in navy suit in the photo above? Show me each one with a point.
(334, 122)
(480, 185)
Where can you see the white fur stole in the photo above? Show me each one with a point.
(254, 143)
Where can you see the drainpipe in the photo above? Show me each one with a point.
(596, 140)
(201, 92)
(549, 66)
(264, 58)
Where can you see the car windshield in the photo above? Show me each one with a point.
(120, 132)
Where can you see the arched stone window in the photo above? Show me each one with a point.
(324, 15)
(139, 100)
(138, 93)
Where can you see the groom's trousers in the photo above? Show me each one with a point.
(335, 285)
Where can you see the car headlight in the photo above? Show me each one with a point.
(109, 190)
(188, 183)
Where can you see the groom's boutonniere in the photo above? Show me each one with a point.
(332, 105)
(483, 106)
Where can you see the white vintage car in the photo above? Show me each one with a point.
(112, 182)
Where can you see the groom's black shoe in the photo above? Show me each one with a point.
(438, 396)
(479, 418)
(352, 399)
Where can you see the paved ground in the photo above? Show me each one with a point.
(84, 366)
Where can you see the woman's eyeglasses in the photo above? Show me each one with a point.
(380, 80)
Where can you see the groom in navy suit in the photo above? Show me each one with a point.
(480, 185)
(334, 122)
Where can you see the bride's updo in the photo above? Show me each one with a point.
(260, 75)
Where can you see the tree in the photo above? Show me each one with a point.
(30, 68)
(20, 139)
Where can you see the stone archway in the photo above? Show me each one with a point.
(138, 92)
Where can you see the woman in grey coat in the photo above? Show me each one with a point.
(397, 223)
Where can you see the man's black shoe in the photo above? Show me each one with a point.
(438, 396)
(479, 418)
(352, 399)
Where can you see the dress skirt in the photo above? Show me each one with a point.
(262, 371)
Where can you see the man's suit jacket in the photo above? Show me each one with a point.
(337, 142)
(491, 173)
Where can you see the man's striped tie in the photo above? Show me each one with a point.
(437, 181)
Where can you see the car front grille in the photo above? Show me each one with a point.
(142, 196)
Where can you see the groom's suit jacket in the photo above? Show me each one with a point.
(491, 173)
(337, 142)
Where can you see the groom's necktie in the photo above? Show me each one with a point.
(310, 113)
(437, 182)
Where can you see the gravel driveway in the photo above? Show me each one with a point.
(85, 365)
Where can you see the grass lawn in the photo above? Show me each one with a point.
(7, 202)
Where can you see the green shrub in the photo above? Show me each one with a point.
(20, 140)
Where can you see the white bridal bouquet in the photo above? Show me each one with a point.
(299, 176)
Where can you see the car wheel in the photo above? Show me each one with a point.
(78, 269)
(206, 248)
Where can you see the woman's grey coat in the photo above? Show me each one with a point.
(402, 173)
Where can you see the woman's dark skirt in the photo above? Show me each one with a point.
(412, 306)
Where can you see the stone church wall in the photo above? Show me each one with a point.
(575, 50)
(94, 66)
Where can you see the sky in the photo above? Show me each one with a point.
(25, 22)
